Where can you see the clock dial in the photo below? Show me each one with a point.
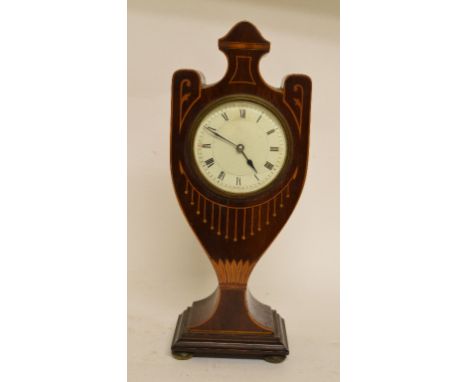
(240, 146)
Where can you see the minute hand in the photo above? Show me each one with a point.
(220, 136)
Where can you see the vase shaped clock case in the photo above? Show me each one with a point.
(239, 152)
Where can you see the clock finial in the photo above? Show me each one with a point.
(244, 36)
(243, 46)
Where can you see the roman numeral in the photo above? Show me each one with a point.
(274, 148)
(242, 113)
(209, 162)
(268, 165)
(259, 118)
(221, 175)
(238, 181)
(206, 145)
(225, 116)
(271, 131)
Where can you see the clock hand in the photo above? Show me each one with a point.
(249, 162)
(239, 148)
(211, 130)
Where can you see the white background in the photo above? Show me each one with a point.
(403, 187)
(167, 268)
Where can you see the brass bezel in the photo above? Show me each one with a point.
(248, 98)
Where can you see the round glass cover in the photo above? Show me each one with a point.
(240, 146)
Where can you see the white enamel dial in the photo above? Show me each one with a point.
(240, 146)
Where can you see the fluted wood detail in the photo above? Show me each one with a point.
(233, 273)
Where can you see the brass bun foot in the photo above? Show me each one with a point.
(182, 355)
(275, 358)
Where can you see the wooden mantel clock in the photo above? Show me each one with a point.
(239, 152)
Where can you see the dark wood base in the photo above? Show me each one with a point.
(217, 343)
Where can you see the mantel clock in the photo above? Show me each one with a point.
(239, 152)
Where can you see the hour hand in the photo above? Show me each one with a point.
(250, 163)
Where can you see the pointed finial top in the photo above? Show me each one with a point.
(244, 35)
